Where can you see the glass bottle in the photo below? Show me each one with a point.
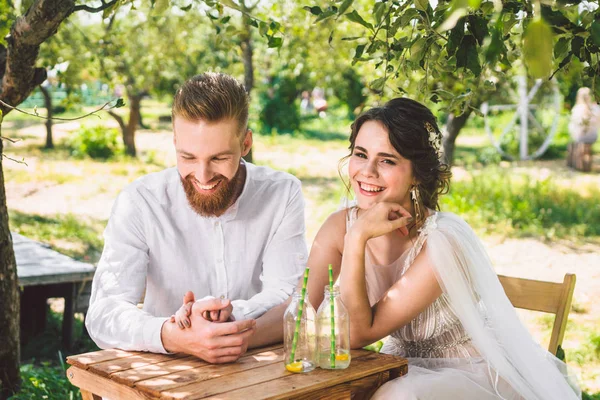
(301, 356)
(341, 340)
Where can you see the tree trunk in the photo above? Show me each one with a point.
(48, 103)
(10, 378)
(135, 103)
(247, 52)
(453, 127)
(128, 130)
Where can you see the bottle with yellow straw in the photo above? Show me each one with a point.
(333, 329)
(299, 332)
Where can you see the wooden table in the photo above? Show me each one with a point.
(259, 374)
(45, 273)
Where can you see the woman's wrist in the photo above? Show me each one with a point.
(354, 238)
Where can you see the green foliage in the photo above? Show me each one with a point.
(494, 201)
(453, 51)
(7, 15)
(280, 111)
(351, 91)
(95, 142)
(45, 381)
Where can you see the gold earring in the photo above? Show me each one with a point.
(417, 203)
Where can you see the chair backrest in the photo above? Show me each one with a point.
(549, 297)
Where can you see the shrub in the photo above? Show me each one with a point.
(95, 142)
(45, 381)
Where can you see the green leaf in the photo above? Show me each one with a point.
(478, 27)
(577, 45)
(352, 38)
(595, 32)
(455, 37)
(376, 347)
(344, 6)
(537, 48)
(466, 55)
(560, 353)
(417, 50)
(186, 8)
(315, 10)
(326, 14)
(160, 6)
(120, 103)
(359, 51)
(275, 42)
(378, 11)
(263, 28)
(408, 16)
(421, 4)
(226, 19)
(378, 84)
(354, 16)
(474, 4)
(496, 46)
(561, 47)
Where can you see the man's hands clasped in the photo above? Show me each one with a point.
(207, 329)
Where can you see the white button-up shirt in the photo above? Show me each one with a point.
(253, 254)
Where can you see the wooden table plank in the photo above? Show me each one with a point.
(90, 382)
(302, 384)
(86, 359)
(155, 386)
(138, 360)
(131, 376)
(252, 382)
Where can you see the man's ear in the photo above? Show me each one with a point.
(247, 143)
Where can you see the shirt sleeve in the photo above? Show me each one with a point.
(283, 262)
(113, 318)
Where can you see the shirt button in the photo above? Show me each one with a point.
(220, 260)
(217, 224)
(222, 296)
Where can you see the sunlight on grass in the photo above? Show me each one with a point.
(80, 238)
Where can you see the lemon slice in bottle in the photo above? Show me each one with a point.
(294, 366)
(341, 357)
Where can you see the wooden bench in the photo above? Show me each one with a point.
(44, 273)
(548, 297)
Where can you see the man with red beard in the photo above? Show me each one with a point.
(215, 227)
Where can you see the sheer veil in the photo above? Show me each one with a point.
(466, 275)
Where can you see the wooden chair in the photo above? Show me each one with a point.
(549, 297)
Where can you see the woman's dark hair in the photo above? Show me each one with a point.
(408, 124)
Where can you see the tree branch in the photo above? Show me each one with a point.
(104, 6)
(23, 44)
(12, 159)
(116, 105)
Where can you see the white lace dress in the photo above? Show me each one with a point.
(444, 363)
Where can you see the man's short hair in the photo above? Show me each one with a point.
(212, 97)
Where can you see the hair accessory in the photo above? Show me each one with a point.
(435, 139)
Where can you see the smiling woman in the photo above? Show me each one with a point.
(421, 276)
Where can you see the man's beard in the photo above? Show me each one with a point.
(214, 204)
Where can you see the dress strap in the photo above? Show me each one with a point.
(429, 225)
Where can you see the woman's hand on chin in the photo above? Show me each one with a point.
(380, 219)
